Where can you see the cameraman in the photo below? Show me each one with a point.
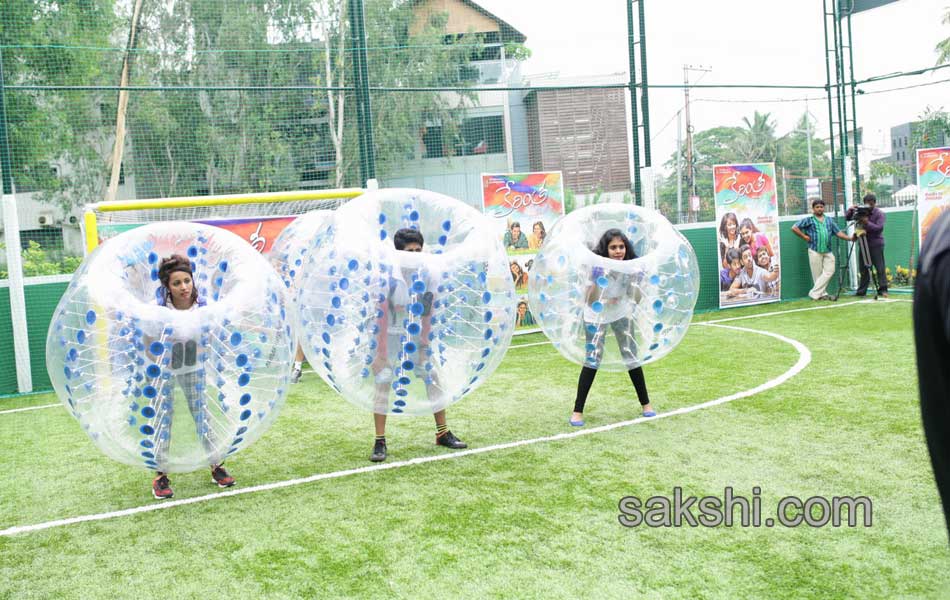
(870, 219)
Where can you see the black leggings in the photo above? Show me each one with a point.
(587, 378)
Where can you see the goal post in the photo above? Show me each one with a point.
(103, 220)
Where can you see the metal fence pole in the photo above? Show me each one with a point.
(634, 115)
(644, 87)
(11, 226)
(364, 110)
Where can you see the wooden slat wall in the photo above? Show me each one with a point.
(583, 133)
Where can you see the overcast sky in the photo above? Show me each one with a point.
(742, 42)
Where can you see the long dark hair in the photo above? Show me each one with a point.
(747, 222)
(722, 225)
(176, 262)
(520, 274)
(544, 232)
(601, 248)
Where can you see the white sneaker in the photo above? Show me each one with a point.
(295, 375)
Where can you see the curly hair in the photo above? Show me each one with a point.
(176, 262)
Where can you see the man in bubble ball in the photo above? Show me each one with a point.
(180, 293)
(613, 244)
(394, 313)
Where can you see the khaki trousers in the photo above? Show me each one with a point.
(822, 270)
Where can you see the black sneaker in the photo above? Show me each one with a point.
(379, 451)
(221, 477)
(449, 440)
(295, 375)
(161, 488)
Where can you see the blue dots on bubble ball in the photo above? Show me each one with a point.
(614, 314)
(127, 367)
(409, 332)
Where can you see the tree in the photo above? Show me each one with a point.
(757, 140)
(711, 147)
(943, 48)
(880, 171)
(932, 128)
(792, 151)
(56, 44)
(212, 141)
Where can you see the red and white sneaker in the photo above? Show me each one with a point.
(221, 477)
(161, 487)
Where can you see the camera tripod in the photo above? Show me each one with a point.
(865, 258)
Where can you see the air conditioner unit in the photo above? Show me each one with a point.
(46, 219)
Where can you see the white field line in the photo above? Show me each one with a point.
(795, 310)
(804, 357)
(16, 410)
(548, 342)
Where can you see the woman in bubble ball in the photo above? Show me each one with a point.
(538, 233)
(180, 293)
(728, 235)
(614, 245)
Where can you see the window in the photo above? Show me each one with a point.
(485, 46)
(482, 135)
(432, 139)
(50, 238)
(476, 135)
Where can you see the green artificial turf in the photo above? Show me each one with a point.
(534, 521)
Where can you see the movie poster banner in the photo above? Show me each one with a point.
(259, 232)
(933, 187)
(747, 215)
(524, 206)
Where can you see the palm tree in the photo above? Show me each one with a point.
(757, 142)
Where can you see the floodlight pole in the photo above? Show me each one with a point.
(644, 105)
(364, 110)
(644, 97)
(634, 111)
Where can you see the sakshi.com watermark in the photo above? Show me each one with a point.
(729, 510)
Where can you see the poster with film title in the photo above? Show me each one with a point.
(523, 207)
(933, 187)
(747, 234)
(259, 232)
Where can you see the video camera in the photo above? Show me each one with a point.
(861, 211)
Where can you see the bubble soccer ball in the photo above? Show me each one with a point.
(398, 332)
(288, 253)
(614, 314)
(171, 390)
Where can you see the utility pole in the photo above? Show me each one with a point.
(690, 169)
(808, 138)
(679, 168)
